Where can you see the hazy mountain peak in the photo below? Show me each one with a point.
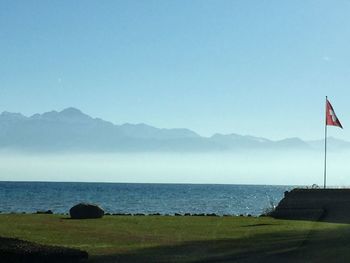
(68, 114)
(5, 115)
(71, 111)
(45, 115)
(50, 113)
(333, 144)
(235, 136)
(293, 142)
(75, 115)
(220, 135)
(142, 130)
(140, 125)
(292, 139)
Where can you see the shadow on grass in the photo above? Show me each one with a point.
(14, 250)
(263, 224)
(338, 217)
(317, 246)
(77, 219)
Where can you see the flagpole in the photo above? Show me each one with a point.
(325, 149)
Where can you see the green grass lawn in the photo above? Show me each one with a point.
(185, 239)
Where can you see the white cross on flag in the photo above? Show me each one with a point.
(331, 117)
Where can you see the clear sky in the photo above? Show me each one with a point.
(248, 67)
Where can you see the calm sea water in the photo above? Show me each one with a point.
(140, 198)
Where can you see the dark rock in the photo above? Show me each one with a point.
(187, 214)
(48, 212)
(86, 211)
(15, 250)
(199, 214)
(212, 214)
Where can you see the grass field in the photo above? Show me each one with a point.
(186, 239)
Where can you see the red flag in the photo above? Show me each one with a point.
(331, 117)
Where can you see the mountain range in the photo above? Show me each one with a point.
(72, 130)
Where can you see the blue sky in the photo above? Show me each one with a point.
(248, 67)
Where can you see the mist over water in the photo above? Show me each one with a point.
(253, 167)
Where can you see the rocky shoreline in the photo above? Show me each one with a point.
(50, 212)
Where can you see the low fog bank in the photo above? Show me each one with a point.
(255, 167)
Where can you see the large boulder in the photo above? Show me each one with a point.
(86, 211)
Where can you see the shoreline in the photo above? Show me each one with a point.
(49, 212)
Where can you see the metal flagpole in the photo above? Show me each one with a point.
(325, 148)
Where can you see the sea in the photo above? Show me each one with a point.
(166, 199)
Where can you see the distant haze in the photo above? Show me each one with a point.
(275, 168)
(72, 146)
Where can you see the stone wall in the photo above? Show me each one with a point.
(315, 204)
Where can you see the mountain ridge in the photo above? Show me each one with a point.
(72, 130)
